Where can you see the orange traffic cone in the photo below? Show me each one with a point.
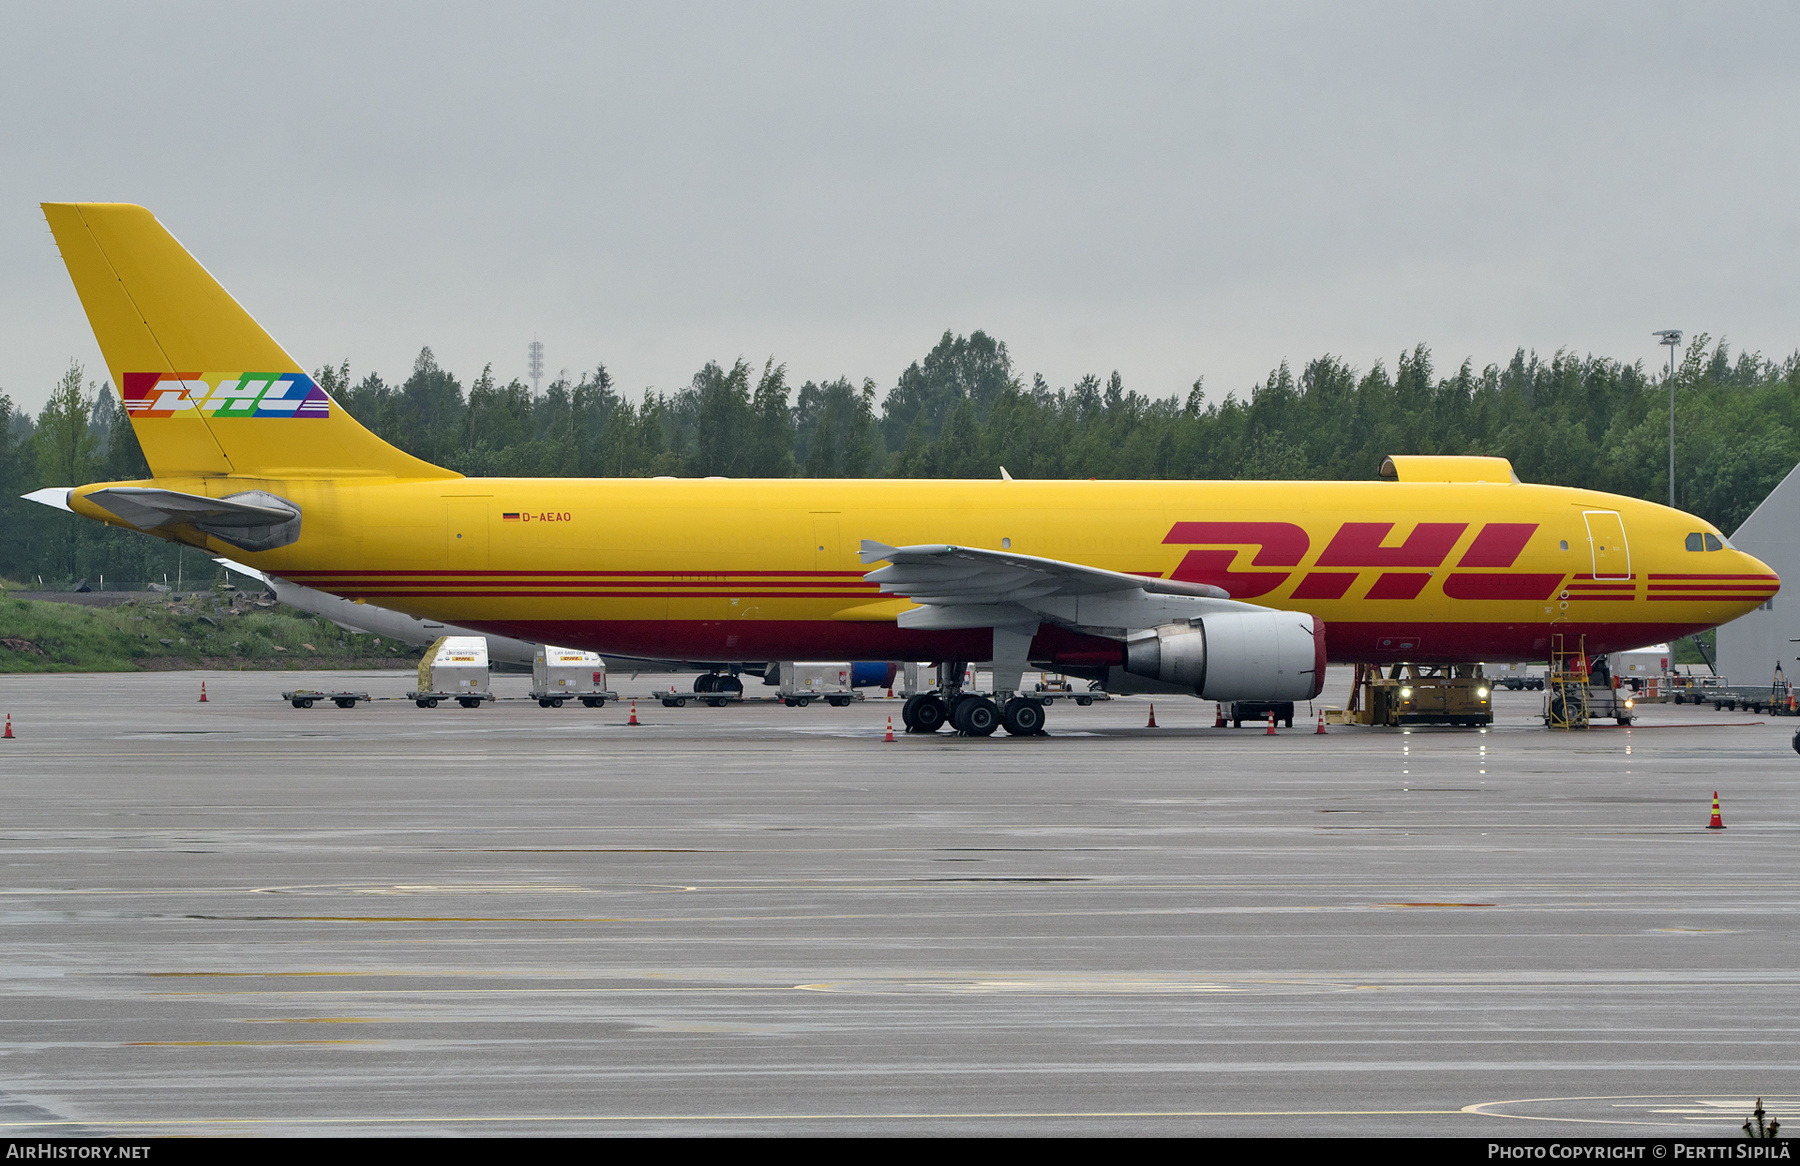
(7, 736)
(202, 699)
(1320, 731)
(1218, 716)
(890, 697)
(1271, 731)
(1152, 723)
(890, 733)
(1717, 822)
(633, 719)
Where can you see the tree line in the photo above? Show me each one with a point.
(963, 411)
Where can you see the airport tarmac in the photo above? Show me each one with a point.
(241, 918)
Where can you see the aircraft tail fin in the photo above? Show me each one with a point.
(208, 391)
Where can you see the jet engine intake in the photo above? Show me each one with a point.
(1261, 655)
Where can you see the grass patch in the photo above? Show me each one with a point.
(217, 630)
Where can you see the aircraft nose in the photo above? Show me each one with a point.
(1755, 566)
(1751, 566)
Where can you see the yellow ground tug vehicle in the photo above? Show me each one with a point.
(1422, 694)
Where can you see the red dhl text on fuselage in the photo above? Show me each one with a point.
(1452, 571)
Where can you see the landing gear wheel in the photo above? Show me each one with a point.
(930, 713)
(906, 713)
(706, 682)
(1022, 718)
(728, 684)
(976, 716)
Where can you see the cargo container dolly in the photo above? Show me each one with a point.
(559, 674)
(1777, 698)
(302, 698)
(454, 668)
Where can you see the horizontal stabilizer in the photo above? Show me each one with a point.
(253, 520)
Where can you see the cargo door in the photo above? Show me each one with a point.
(466, 534)
(1606, 538)
(825, 541)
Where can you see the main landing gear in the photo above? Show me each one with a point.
(716, 688)
(969, 713)
(715, 682)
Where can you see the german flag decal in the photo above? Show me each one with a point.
(510, 516)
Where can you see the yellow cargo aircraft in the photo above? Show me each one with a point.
(1224, 590)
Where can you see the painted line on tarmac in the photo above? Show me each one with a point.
(722, 1117)
(1686, 1106)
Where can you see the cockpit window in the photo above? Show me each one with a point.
(1713, 543)
(1707, 541)
(1694, 541)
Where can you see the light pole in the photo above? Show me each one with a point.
(1671, 337)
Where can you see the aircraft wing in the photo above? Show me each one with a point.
(970, 587)
(368, 619)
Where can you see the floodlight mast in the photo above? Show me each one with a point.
(535, 364)
(1671, 337)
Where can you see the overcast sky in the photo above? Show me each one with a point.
(1167, 190)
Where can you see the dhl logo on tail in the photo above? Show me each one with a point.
(223, 394)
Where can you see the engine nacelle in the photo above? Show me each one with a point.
(1252, 655)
